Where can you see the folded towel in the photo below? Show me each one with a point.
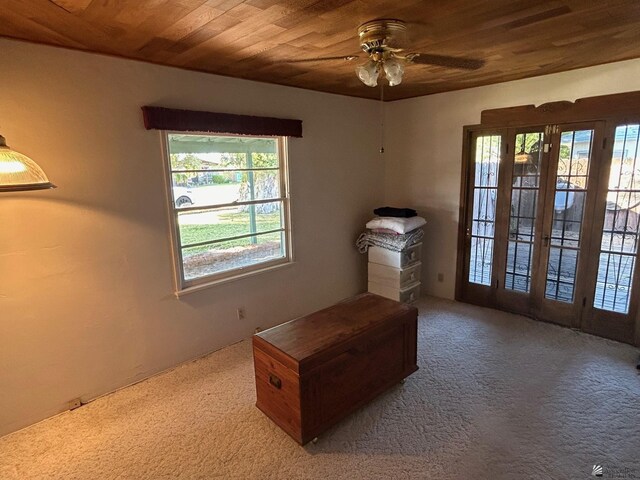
(395, 212)
(398, 225)
(390, 241)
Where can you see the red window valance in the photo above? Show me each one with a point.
(160, 118)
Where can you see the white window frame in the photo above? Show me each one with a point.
(183, 286)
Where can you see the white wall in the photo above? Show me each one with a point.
(86, 298)
(424, 149)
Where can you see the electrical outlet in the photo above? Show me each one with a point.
(241, 313)
(75, 403)
(441, 277)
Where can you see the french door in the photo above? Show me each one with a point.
(552, 215)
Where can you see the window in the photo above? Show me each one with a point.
(229, 205)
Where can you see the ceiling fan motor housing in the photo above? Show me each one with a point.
(381, 36)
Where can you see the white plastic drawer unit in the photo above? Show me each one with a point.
(408, 294)
(394, 277)
(401, 259)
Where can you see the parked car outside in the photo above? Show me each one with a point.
(182, 197)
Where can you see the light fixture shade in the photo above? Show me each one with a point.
(523, 157)
(393, 70)
(368, 73)
(18, 172)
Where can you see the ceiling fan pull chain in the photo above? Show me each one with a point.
(381, 117)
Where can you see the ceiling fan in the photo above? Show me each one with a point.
(383, 41)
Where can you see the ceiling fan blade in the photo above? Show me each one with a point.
(446, 61)
(348, 58)
(418, 30)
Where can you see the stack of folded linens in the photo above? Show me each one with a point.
(396, 230)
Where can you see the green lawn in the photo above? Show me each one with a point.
(231, 225)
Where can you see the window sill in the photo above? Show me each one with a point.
(214, 283)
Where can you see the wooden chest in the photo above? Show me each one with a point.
(313, 371)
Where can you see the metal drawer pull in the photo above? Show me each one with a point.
(275, 381)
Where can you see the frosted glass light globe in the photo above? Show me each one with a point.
(368, 73)
(393, 70)
(18, 172)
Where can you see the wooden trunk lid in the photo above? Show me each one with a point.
(304, 343)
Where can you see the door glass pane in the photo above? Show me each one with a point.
(568, 209)
(485, 190)
(525, 183)
(620, 232)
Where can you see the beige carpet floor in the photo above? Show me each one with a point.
(497, 396)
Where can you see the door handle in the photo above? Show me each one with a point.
(545, 239)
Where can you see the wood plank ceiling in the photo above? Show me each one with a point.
(253, 39)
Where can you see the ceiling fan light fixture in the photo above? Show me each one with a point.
(394, 71)
(368, 73)
(384, 40)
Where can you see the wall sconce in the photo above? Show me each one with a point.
(18, 172)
